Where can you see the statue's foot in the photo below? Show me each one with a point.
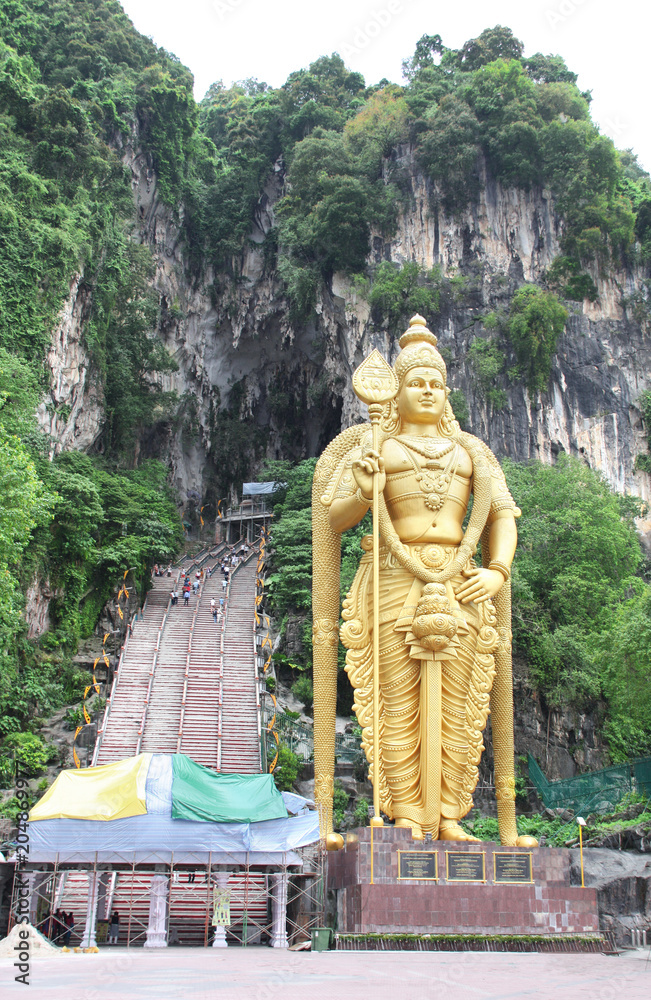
(416, 828)
(449, 829)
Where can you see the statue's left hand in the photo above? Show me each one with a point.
(480, 585)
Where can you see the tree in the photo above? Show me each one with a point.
(493, 43)
(573, 574)
(428, 52)
(537, 320)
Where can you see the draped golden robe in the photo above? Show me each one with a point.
(433, 703)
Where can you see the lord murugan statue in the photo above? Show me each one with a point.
(426, 629)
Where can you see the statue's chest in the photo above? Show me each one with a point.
(428, 474)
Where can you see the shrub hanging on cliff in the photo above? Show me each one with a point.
(537, 320)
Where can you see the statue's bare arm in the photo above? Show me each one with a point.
(483, 583)
(353, 495)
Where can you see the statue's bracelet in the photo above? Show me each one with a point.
(500, 567)
(361, 498)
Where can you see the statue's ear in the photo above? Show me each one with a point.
(448, 390)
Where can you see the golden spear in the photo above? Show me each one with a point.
(375, 383)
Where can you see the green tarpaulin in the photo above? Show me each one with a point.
(200, 794)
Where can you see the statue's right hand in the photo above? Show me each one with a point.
(364, 468)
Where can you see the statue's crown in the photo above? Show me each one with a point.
(418, 349)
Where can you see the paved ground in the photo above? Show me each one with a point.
(263, 974)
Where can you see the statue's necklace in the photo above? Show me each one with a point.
(430, 448)
(435, 486)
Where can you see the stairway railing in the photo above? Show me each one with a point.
(145, 707)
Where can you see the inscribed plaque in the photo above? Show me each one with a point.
(512, 867)
(418, 865)
(463, 866)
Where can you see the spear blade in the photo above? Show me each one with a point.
(375, 381)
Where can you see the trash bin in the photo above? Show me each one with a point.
(321, 938)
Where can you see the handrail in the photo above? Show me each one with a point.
(259, 509)
(187, 667)
(116, 677)
(145, 707)
(256, 673)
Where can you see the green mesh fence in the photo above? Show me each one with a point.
(596, 792)
(299, 737)
(642, 772)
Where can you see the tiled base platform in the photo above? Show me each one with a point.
(547, 905)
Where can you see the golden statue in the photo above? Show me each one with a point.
(442, 647)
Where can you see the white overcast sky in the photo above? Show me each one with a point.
(605, 42)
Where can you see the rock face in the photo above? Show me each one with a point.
(243, 336)
(623, 883)
(294, 381)
(37, 607)
(72, 413)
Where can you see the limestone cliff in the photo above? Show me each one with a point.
(244, 335)
(71, 412)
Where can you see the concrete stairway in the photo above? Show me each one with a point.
(120, 734)
(200, 722)
(185, 683)
(163, 718)
(240, 709)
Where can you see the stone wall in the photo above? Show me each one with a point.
(549, 905)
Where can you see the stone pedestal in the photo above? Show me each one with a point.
(279, 910)
(158, 905)
(546, 905)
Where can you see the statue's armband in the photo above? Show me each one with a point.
(502, 503)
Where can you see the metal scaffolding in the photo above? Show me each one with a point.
(276, 905)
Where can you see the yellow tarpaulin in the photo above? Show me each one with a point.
(112, 791)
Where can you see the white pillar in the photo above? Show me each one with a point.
(279, 910)
(219, 939)
(158, 902)
(89, 940)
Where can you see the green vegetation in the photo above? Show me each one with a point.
(362, 810)
(340, 800)
(631, 811)
(287, 769)
(31, 754)
(398, 293)
(557, 832)
(303, 690)
(487, 362)
(537, 320)
(581, 611)
(470, 942)
(525, 118)
(643, 461)
(460, 408)
(530, 123)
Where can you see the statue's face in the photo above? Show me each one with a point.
(422, 396)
